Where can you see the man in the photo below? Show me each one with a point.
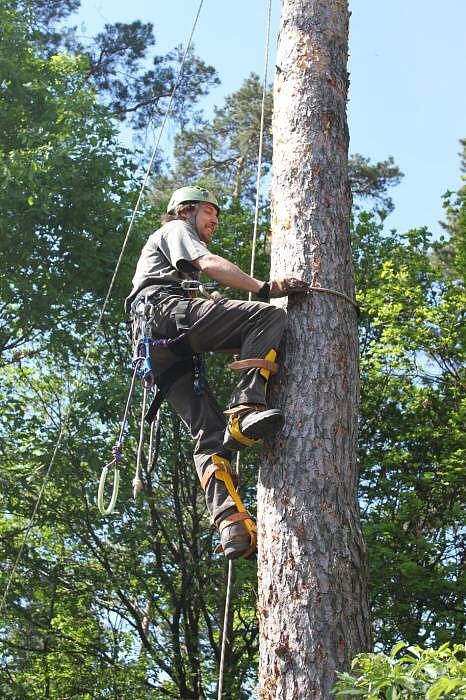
(179, 251)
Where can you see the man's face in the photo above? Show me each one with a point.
(206, 221)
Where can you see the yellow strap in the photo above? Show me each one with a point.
(233, 427)
(271, 357)
(225, 476)
(222, 462)
(217, 463)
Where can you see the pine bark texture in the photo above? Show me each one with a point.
(312, 567)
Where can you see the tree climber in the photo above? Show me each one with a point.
(178, 251)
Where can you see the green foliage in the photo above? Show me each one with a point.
(371, 182)
(222, 153)
(116, 62)
(408, 673)
(63, 195)
(450, 253)
(412, 446)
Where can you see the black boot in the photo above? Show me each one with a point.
(249, 424)
(236, 540)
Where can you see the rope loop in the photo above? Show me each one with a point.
(116, 484)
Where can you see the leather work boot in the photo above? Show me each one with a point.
(248, 424)
(235, 538)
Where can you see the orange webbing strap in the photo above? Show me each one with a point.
(272, 367)
(267, 364)
(245, 408)
(221, 468)
(217, 463)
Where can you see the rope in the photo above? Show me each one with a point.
(138, 486)
(82, 366)
(116, 450)
(325, 290)
(225, 623)
(261, 140)
(253, 258)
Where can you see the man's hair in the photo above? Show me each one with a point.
(182, 211)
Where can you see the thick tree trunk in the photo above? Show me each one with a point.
(312, 560)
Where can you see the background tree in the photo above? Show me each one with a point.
(411, 445)
(117, 60)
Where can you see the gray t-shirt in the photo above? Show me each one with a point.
(166, 257)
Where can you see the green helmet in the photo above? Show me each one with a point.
(191, 194)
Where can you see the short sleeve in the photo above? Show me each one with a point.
(180, 243)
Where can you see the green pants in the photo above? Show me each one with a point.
(250, 329)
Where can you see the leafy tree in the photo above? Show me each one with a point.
(412, 446)
(63, 195)
(117, 60)
(418, 673)
(371, 182)
(450, 253)
(223, 151)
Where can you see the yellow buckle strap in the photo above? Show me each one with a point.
(270, 357)
(245, 408)
(221, 468)
(224, 474)
(234, 429)
(221, 463)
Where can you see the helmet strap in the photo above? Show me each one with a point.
(193, 219)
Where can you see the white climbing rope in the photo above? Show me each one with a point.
(83, 365)
(253, 259)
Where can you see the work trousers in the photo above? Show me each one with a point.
(251, 329)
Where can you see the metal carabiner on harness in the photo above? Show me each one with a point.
(207, 289)
(193, 285)
(145, 370)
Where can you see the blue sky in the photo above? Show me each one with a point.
(407, 71)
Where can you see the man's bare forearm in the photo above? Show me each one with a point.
(226, 273)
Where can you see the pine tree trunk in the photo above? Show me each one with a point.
(312, 562)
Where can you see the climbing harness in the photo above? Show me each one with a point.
(144, 348)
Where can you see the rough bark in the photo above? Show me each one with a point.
(312, 561)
